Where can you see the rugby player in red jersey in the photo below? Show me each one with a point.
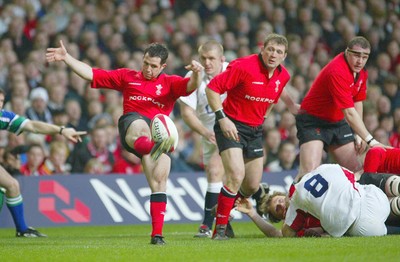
(253, 85)
(332, 110)
(145, 93)
(382, 160)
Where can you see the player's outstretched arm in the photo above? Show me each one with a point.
(61, 54)
(195, 78)
(50, 129)
(244, 205)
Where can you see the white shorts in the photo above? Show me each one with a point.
(374, 211)
(208, 150)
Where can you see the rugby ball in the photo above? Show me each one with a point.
(162, 127)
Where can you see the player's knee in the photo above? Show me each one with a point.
(13, 188)
(248, 190)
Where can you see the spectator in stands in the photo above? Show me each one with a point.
(74, 112)
(56, 162)
(94, 167)
(380, 133)
(57, 95)
(12, 162)
(384, 106)
(272, 141)
(286, 122)
(287, 158)
(391, 90)
(35, 159)
(127, 164)
(96, 147)
(38, 110)
(371, 119)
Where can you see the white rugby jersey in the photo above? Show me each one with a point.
(330, 194)
(198, 101)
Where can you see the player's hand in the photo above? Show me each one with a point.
(73, 135)
(359, 145)
(229, 129)
(311, 233)
(210, 136)
(195, 66)
(56, 54)
(243, 205)
(375, 143)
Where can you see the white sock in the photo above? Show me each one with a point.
(392, 186)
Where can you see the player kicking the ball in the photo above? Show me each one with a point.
(146, 93)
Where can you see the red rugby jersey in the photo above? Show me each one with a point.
(382, 160)
(146, 97)
(249, 90)
(335, 89)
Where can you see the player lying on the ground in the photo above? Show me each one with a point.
(329, 198)
(382, 160)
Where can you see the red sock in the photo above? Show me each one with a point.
(374, 158)
(158, 205)
(143, 145)
(226, 200)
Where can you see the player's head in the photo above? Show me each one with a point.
(274, 50)
(276, 39)
(275, 206)
(2, 97)
(212, 57)
(357, 53)
(154, 60)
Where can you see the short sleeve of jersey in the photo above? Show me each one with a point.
(341, 92)
(227, 80)
(112, 79)
(179, 86)
(12, 122)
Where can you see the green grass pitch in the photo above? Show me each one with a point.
(131, 243)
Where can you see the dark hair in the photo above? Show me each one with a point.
(157, 50)
(360, 41)
(279, 39)
(2, 91)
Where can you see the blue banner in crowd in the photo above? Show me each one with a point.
(116, 199)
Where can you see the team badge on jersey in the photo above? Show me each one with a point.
(159, 87)
(359, 85)
(277, 83)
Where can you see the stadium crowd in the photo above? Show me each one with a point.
(113, 34)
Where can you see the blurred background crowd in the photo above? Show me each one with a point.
(112, 34)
